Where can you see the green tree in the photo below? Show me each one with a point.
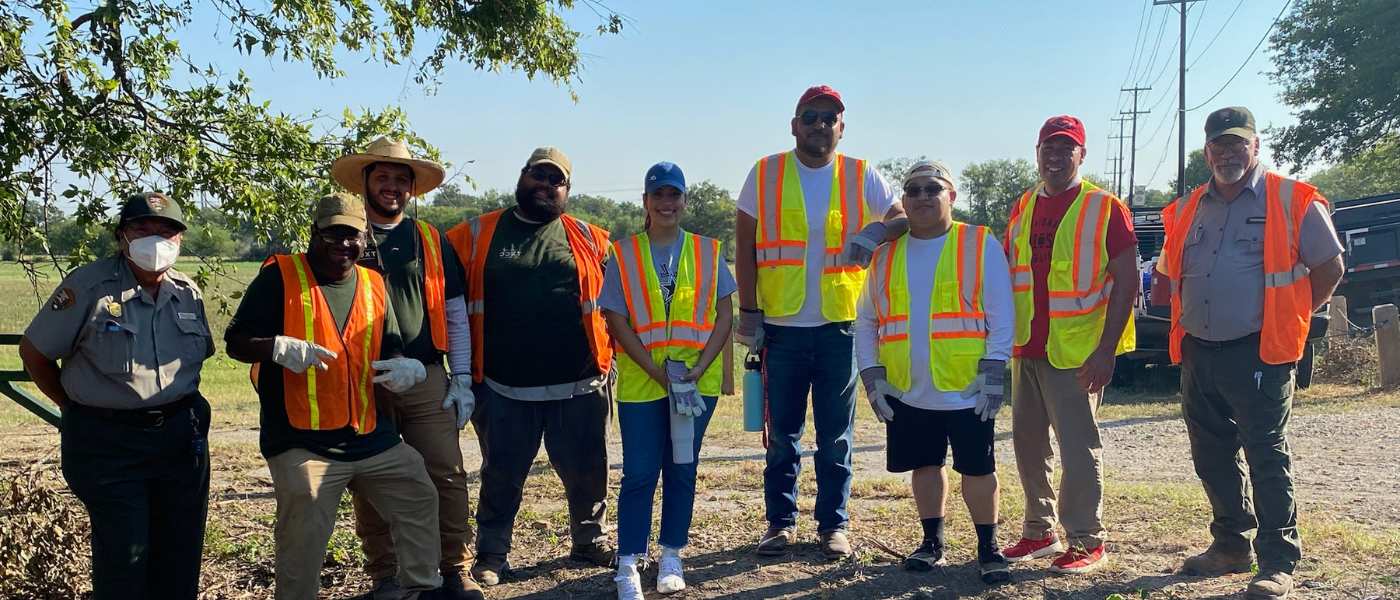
(1370, 173)
(1197, 172)
(894, 170)
(1336, 61)
(992, 186)
(111, 96)
(710, 212)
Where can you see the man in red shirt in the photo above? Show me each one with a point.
(1072, 240)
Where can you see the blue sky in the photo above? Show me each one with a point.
(711, 85)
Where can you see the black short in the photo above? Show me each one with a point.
(918, 437)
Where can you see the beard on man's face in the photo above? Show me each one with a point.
(541, 206)
(379, 207)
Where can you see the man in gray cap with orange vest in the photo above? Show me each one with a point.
(132, 335)
(1251, 255)
(423, 278)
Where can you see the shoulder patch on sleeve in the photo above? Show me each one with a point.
(63, 299)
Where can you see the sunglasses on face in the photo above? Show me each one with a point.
(1235, 147)
(541, 175)
(931, 189)
(356, 239)
(809, 117)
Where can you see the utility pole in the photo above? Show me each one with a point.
(1118, 181)
(1181, 99)
(1132, 161)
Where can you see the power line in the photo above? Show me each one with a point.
(1286, 4)
(1217, 34)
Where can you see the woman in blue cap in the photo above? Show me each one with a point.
(666, 300)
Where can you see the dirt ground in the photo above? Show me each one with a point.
(1345, 468)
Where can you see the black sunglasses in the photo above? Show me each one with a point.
(354, 239)
(809, 117)
(539, 174)
(931, 189)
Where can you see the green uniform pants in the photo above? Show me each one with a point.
(146, 490)
(1234, 401)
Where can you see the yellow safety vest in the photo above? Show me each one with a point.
(957, 323)
(1078, 281)
(781, 241)
(682, 335)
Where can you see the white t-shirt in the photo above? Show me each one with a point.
(997, 303)
(816, 196)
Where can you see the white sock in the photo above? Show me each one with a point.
(629, 560)
(667, 551)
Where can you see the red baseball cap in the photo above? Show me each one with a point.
(822, 91)
(1062, 125)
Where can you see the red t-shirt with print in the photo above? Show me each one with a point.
(1049, 211)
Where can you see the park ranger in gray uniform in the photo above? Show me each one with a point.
(132, 335)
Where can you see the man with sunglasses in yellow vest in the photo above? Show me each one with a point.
(1073, 257)
(1251, 255)
(321, 332)
(541, 358)
(933, 334)
(424, 281)
(808, 222)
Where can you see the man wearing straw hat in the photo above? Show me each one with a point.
(423, 278)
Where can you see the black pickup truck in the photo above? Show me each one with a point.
(1369, 229)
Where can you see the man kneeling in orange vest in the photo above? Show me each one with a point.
(321, 431)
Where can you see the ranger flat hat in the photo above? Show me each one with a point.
(349, 170)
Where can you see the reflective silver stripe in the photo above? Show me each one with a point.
(1285, 199)
(893, 328)
(590, 306)
(956, 324)
(1088, 239)
(653, 336)
(1084, 302)
(1286, 278)
(1021, 278)
(1016, 225)
(476, 307)
(879, 266)
(854, 201)
(835, 261)
(1175, 289)
(768, 197)
(682, 333)
(781, 253)
(474, 226)
(968, 238)
(630, 263)
(705, 283)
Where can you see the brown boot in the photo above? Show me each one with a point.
(775, 541)
(455, 586)
(1269, 584)
(1214, 563)
(835, 545)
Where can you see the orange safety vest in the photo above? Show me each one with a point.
(1287, 289)
(434, 284)
(589, 244)
(343, 394)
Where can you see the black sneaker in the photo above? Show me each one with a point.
(925, 558)
(598, 555)
(993, 568)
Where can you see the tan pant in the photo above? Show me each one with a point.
(1045, 398)
(418, 416)
(308, 488)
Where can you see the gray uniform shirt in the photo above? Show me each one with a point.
(120, 347)
(1222, 288)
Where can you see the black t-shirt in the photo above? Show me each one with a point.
(397, 254)
(533, 322)
(260, 314)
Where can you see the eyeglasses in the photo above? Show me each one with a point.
(541, 175)
(931, 189)
(355, 239)
(809, 117)
(1235, 147)
(140, 231)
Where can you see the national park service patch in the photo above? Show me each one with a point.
(63, 299)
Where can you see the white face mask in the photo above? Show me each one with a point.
(153, 253)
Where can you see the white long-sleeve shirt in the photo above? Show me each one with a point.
(997, 303)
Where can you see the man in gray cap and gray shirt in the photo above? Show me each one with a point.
(132, 336)
(1251, 255)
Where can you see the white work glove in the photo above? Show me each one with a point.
(877, 389)
(399, 373)
(685, 395)
(460, 396)
(748, 331)
(299, 355)
(988, 387)
(861, 248)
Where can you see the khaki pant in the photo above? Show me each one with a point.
(308, 488)
(1043, 399)
(418, 416)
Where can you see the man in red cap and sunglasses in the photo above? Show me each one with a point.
(809, 220)
(1073, 257)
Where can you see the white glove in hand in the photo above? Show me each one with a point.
(988, 387)
(460, 396)
(399, 373)
(748, 331)
(685, 395)
(299, 355)
(861, 248)
(877, 389)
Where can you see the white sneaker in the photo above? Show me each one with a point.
(669, 579)
(629, 583)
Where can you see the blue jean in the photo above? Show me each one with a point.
(646, 456)
(822, 360)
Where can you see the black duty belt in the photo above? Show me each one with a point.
(1252, 338)
(143, 418)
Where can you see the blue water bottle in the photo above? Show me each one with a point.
(753, 392)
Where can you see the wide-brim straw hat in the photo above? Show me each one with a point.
(349, 170)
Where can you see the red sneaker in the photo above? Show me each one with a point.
(1078, 560)
(1027, 549)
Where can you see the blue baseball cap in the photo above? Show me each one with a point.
(665, 173)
